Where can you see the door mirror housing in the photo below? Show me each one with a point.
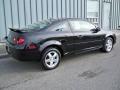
(98, 29)
(95, 30)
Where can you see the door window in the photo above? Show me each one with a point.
(81, 26)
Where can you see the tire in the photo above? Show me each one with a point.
(108, 45)
(50, 58)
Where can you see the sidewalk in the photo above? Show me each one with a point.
(3, 52)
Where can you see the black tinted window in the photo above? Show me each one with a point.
(81, 26)
(39, 25)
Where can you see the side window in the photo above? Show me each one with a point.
(81, 26)
(61, 27)
(86, 26)
(75, 25)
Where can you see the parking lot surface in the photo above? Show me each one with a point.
(89, 71)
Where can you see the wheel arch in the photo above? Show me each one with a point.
(114, 39)
(55, 46)
(52, 44)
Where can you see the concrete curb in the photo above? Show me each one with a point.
(2, 44)
(4, 55)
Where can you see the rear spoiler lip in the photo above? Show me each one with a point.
(17, 30)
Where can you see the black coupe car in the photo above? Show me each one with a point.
(49, 40)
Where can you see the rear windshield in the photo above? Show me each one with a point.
(38, 25)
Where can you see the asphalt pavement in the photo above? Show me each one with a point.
(89, 71)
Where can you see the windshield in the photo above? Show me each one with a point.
(38, 25)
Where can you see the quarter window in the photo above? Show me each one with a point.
(61, 27)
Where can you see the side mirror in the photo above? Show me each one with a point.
(95, 30)
(98, 29)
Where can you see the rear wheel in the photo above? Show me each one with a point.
(108, 45)
(51, 58)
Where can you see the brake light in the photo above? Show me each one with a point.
(20, 41)
(32, 46)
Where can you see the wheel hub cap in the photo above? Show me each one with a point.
(52, 59)
(109, 45)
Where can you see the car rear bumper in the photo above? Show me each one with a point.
(23, 55)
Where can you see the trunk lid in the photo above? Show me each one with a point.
(14, 35)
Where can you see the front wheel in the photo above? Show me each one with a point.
(51, 58)
(108, 45)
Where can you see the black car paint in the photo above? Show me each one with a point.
(68, 41)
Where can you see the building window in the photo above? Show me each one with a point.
(92, 8)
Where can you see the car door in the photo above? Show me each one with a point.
(61, 32)
(84, 37)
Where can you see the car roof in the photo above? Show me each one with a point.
(55, 21)
(64, 19)
(59, 20)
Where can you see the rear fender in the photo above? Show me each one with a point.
(49, 43)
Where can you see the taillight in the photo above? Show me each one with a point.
(20, 41)
(32, 46)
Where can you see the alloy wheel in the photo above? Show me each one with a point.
(52, 59)
(109, 45)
